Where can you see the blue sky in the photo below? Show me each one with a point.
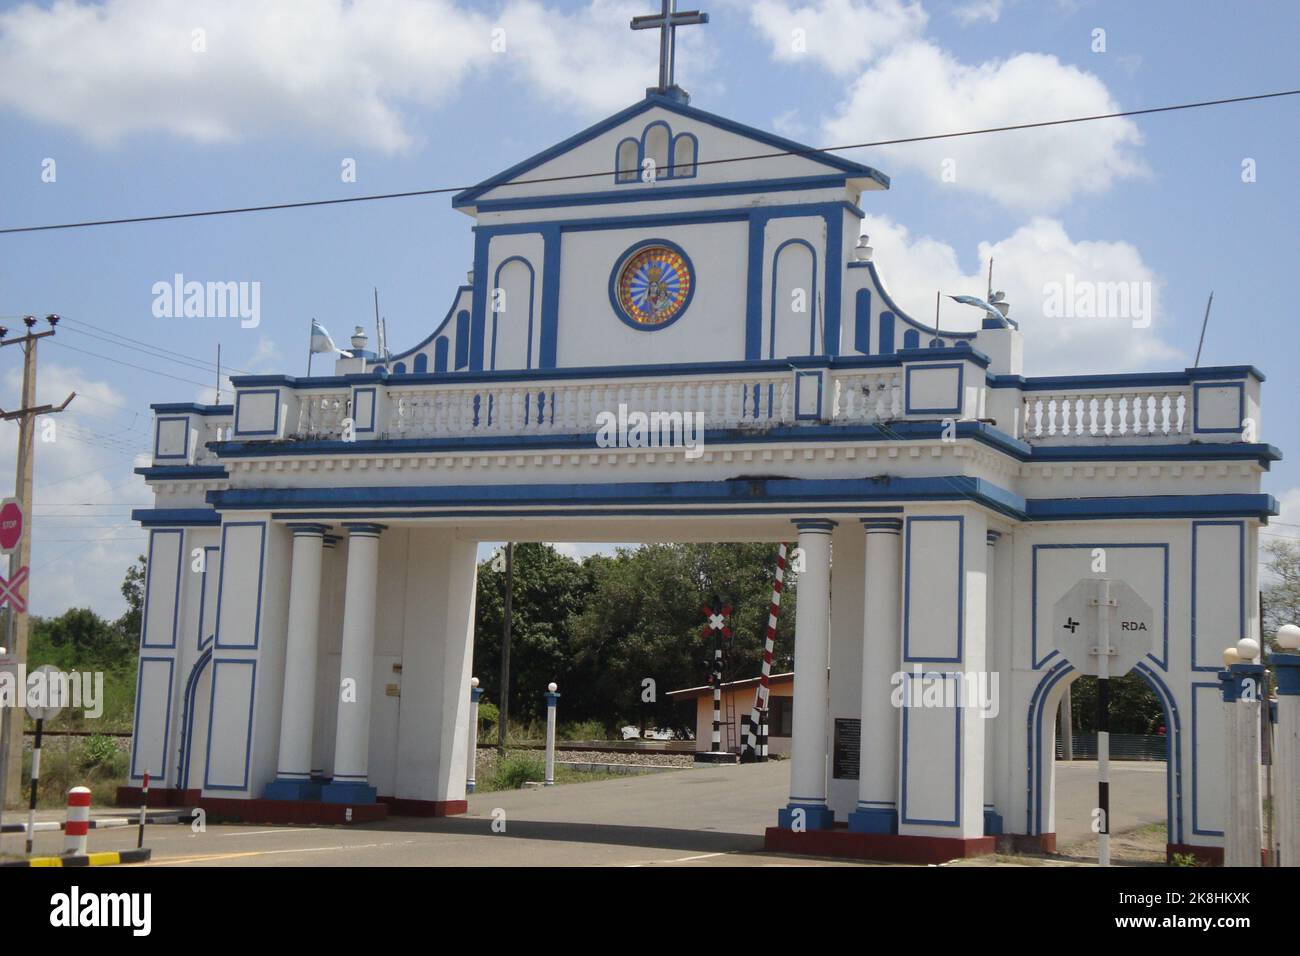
(138, 122)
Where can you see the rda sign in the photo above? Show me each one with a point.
(1095, 607)
(11, 525)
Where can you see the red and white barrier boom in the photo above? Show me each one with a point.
(756, 734)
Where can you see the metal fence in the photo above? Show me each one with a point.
(1122, 747)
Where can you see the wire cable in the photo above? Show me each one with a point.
(810, 152)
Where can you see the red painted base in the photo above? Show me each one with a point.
(226, 809)
(158, 797)
(887, 848)
(401, 807)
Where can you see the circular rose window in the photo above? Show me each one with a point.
(652, 286)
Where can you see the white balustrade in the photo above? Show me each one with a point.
(321, 414)
(1107, 414)
(739, 400)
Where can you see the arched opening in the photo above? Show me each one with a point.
(792, 324)
(1146, 735)
(510, 333)
(685, 150)
(655, 143)
(627, 161)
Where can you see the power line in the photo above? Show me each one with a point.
(810, 152)
(212, 366)
(142, 368)
(145, 353)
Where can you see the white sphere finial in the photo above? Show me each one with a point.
(1230, 656)
(1288, 637)
(473, 682)
(1247, 649)
(552, 687)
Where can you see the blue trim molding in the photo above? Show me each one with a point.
(960, 590)
(248, 736)
(1162, 546)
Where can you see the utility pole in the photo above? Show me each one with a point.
(503, 706)
(26, 415)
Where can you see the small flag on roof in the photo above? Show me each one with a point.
(321, 341)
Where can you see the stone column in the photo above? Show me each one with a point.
(298, 708)
(350, 783)
(1243, 688)
(877, 810)
(807, 809)
(1286, 752)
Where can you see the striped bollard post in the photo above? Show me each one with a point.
(144, 809)
(762, 735)
(552, 698)
(475, 693)
(77, 828)
(36, 780)
(1286, 753)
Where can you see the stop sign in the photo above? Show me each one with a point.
(11, 524)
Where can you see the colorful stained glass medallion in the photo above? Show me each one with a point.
(654, 286)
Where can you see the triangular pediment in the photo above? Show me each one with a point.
(686, 144)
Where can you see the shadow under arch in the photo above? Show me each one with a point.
(1042, 707)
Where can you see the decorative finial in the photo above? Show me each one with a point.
(666, 22)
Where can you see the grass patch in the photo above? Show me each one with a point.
(97, 762)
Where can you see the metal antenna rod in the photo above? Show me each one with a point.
(1204, 322)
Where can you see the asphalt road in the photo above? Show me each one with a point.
(696, 817)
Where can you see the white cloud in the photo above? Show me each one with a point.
(588, 57)
(840, 35)
(1289, 507)
(919, 89)
(975, 11)
(342, 72)
(1037, 253)
(82, 537)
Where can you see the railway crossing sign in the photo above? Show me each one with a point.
(10, 591)
(1083, 617)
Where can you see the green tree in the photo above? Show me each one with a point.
(1282, 590)
(1134, 706)
(79, 638)
(549, 590)
(644, 620)
(133, 591)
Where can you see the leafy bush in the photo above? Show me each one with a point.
(583, 730)
(101, 753)
(516, 770)
(488, 715)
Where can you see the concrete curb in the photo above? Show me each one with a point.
(113, 858)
